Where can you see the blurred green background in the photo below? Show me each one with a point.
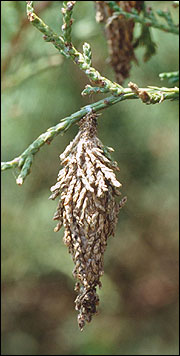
(138, 312)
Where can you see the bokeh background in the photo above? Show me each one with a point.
(138, 312)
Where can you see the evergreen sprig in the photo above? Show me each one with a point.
(67, 10)
(149, 17)
(70, 51)
(172, 77)
(149, 95)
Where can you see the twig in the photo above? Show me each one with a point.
(149, 18)
(149, 95)
(67, 14)
(153, 94)
(173, 77)
(25, 160)
(69, 51)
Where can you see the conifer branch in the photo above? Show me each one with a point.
(67, 20)
(69, 51)
(25, 160)
(149, 18)
(149, 95)
(172, 77)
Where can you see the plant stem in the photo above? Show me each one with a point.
(69, 51)
(67, 14)
(149, 19)
(173, 77)
(149, 95)
(25, 160)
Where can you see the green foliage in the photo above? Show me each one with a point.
(150, 95)
(173, 77)
(149, 19)
(139, 299)
(145, 40)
